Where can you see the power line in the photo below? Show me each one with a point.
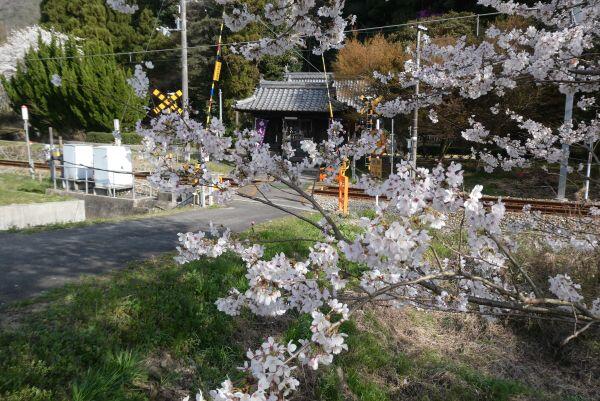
(229, 44)
(139, 51)
(424, 22)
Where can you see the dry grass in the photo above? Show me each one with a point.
(439, 345)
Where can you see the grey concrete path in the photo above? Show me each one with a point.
(33, 263)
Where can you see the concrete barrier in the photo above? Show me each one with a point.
(99, 206)
(40, 214)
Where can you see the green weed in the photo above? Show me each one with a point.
(20, 188)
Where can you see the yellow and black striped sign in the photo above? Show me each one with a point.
(217, 73)
(168, 103)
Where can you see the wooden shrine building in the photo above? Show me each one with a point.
(294, 109)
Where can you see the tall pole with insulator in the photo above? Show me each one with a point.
(415, 127)
(184, 59)
(216, 73)
(568, 119)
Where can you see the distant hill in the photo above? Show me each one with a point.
(18, 14)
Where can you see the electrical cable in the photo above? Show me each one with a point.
(229, 44)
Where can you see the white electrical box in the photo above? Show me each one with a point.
(109, 162)
(78, 160)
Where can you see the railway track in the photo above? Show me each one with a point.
(512, 204)
(44, 166)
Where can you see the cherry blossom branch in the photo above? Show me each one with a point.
(577, 333)
(283, 209)
(338, 234)
(515, 263)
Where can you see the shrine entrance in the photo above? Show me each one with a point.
(296, 130)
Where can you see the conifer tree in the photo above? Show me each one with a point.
(91, 92)
(94, 19)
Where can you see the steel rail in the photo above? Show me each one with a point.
(512, 204)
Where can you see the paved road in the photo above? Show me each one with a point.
(33, 263)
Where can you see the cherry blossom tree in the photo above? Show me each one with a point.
(399, 265)
(560, 51)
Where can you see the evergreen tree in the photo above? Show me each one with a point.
(94, 19)
(92, 90)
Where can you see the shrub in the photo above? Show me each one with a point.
(127, 138)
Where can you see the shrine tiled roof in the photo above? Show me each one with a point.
(294, 95)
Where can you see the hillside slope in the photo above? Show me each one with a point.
(18, 14)
(15, 14)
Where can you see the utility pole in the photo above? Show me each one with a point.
(216, 72)
(25, 115)
(564, 162)
(184, 58)
(588, 172)
(220, 105)
(415, 128)
(393, 148)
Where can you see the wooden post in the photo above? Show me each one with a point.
(345, 205)
(52, 153)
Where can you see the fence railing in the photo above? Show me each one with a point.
(71, 179)
(75, 175)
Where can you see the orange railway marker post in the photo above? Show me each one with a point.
(343, 189)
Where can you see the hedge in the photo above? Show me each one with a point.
(127, 138)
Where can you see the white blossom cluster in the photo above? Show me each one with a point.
(541, 142)
(564, 288)
(291, 23)
(56, 80)
(553, 51)
(139, 81)
(170, 137)
(393, 254)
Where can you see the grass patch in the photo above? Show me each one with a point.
(530, 182)
(152, 332)
(18, 188)
(494, 184)
(92, 340)
(220, 168)
(34, 146)
(108, 338)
